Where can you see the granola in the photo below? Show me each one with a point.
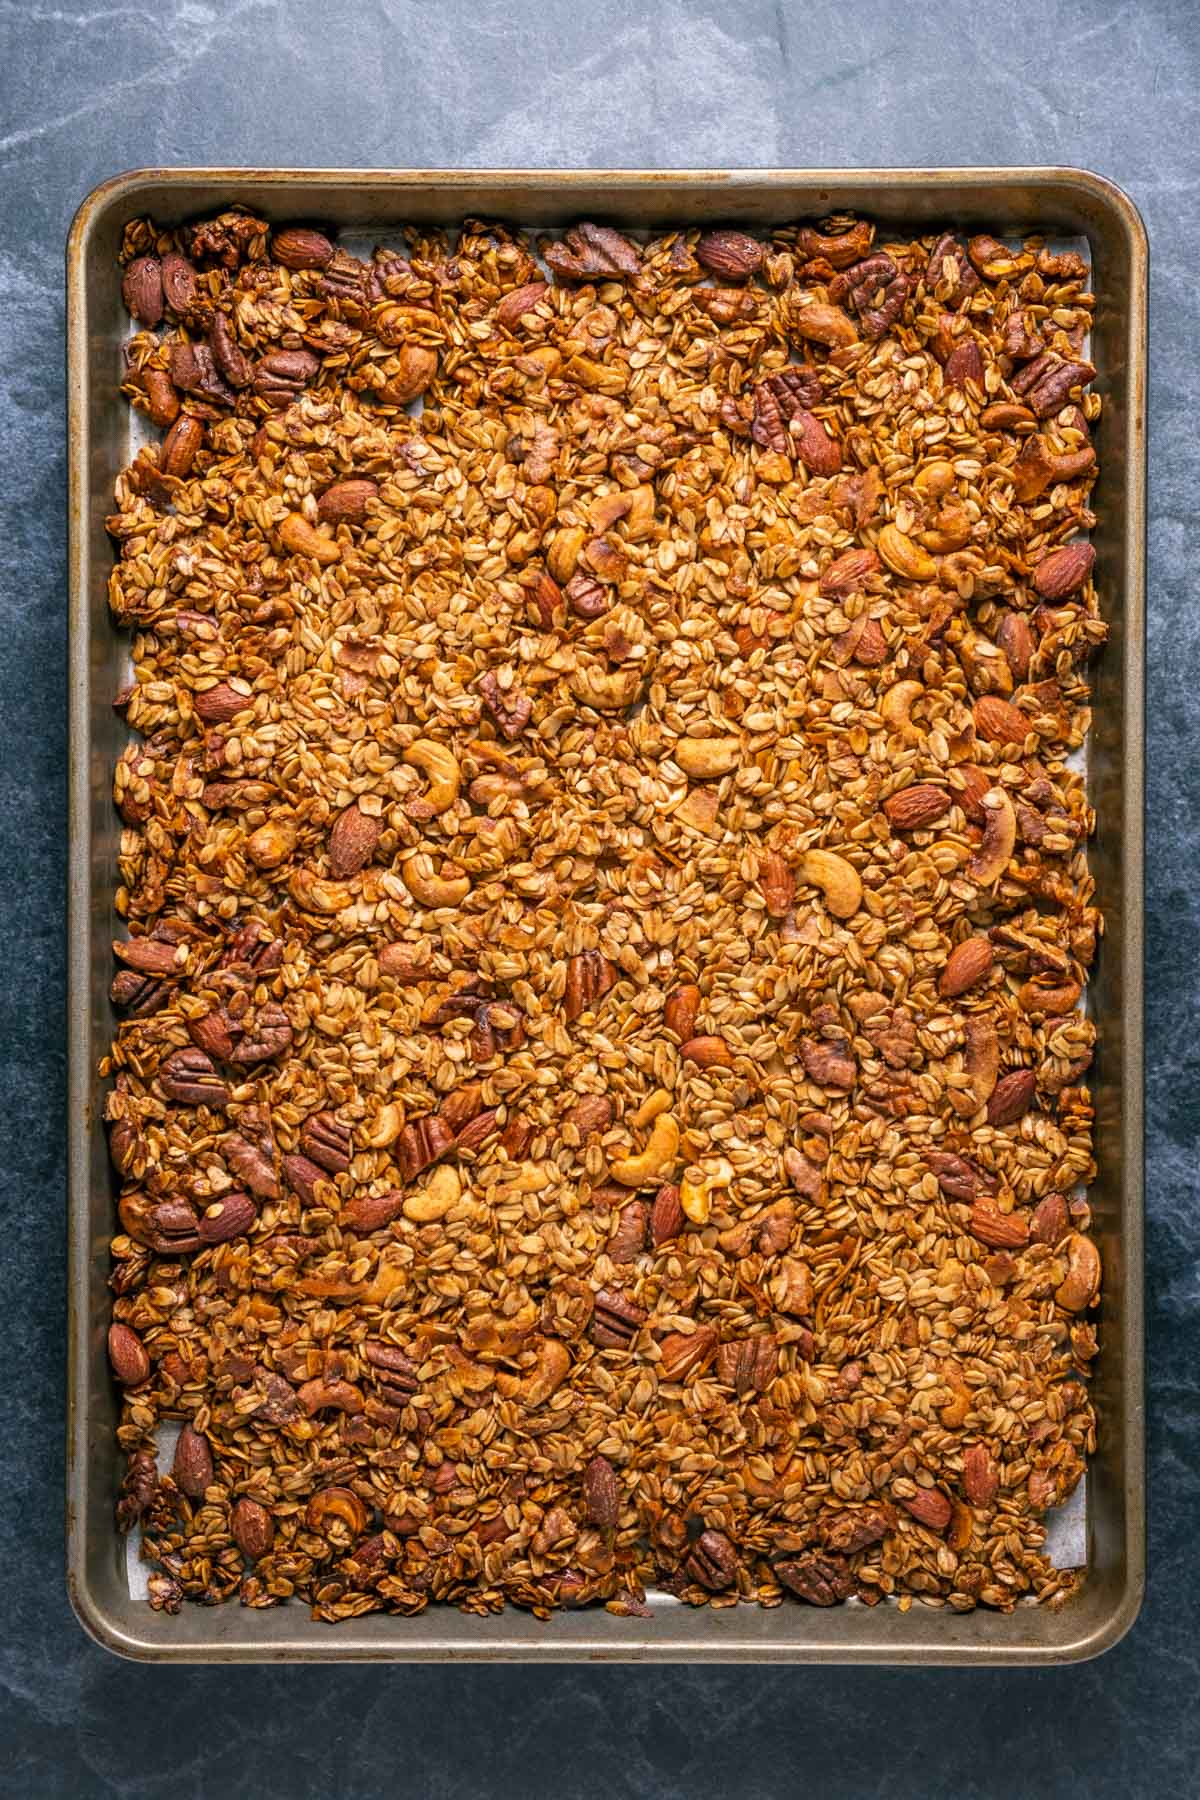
(598, 1094)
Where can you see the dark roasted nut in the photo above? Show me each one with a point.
(629, 1238)
(929, 1507)
(838, 248)
(194, 371)
(1011, 1097)
(180, 447)
(615, 1320)
(747, 1365)
(913, 808)
(1051, 1219)
(1064, 571)
(142, 290)
(980, 1475)
(251, 1163)
(948, 266)
(190, 1076)
(217, 705)
(395, 1366)
(686, 1352)
(269, 1034)
(958, 1178)
(519, 301)
(593, 253)
(138, 1488)
(282, 376)
(253, 1528)
(828, 1064)
(820, 1579)
(421, 1144)
(231, 1216)
(778, 401)
(731, 254)
(162, 402)
(303, 1176)
(128, 1356)
(666, 1215)
(228, 354)
(179, 284)
(964, 363)
(278, 1404)
(853, 1530)
(327, 1141)
(601, 1495)
(681, 1010)
(352, 841)
(511, 709)
(193, 1464)
(712, 1561)
(1047, 382)
(998, 1230)
(371, 1212)
(299, 247)
(589, 978)
(587, 597)
(345, 503)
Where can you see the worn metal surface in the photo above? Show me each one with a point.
(1060, 200)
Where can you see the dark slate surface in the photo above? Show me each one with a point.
(89, 91)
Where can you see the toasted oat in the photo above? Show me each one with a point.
(555, 1160)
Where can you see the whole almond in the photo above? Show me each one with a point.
(975, 784)
(253, 1528)
(1015, 639)
(980, 1476)
(180, 447)
(966, 964)
(128, 1355)
(229, 1217)
(352, 841)
(731, 254)
(162, 402)
(193, 1464)
(1012, 1097)
(142, 290)
(417, 368)
(345, 503)
(929, 1507)
(220, 703)
(370, 1212)
(914, 807)
(1051, 1219)
(666, 1214)
(1064, 571)
(681, 1009)
(998, 722)
(518, 301)
(999, 1231)
(708, 1053)
(179, 283)
(601, 1494)
(593, 1112)
(847, 573)
(820, 453)
(298, 247)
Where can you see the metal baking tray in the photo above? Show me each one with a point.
(1061, 201)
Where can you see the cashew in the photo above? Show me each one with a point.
(838, 880)
(954, 1412)
(897, 704)
(1081, 1283)
(606, 510)
(639, 520)
(387, 1127)
(442, 1191)
(271, 844)
(564, 552)
(330, 1396)
(546, 1376)
(428, 888)
(654, 1104)
(903, 557)
(303, 539)
(989, 862)
(607, 691)
(336, 1503)
(951, 529)
(441, 766)
(699, 1185)
(706, 757)
(313, 894)
(824, 324)
(656, 1163)
(934, 479)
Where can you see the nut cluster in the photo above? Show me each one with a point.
(599, 1090)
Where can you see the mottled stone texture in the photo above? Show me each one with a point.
(92, 90)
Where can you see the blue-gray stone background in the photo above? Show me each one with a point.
(86, 91)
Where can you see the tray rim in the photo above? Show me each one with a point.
(423, 1642)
